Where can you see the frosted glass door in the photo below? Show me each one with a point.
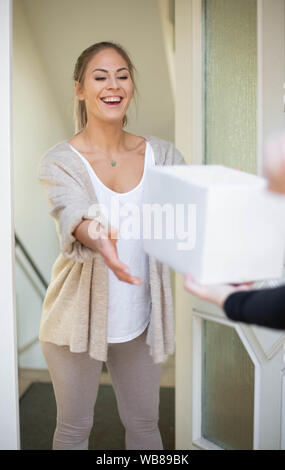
(230, 138)
(238, 369)
(227, 388)
(230, 83)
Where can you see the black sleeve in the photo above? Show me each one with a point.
(264, 307)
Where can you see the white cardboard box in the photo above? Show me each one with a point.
(234, 228)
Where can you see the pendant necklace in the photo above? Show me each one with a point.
(112, 162)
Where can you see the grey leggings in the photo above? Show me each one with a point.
(136, 382)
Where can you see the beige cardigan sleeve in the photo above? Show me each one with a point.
(174, 156)
(68, 204)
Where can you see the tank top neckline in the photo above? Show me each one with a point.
(94, 175)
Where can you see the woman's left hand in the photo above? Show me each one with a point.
(216, 294)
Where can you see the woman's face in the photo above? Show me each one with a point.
(108, 87)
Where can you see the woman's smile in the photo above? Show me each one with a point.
(112, 100)
(107, 79)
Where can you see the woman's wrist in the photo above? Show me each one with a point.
(86, 233)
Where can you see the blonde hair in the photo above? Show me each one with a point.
(80, 112)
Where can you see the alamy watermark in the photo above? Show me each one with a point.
(146, 221)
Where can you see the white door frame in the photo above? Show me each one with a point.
(9, 397)
(188, 139)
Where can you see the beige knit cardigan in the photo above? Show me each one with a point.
(75, 306)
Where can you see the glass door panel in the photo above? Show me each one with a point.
(230, 83)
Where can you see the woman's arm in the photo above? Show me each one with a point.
(70, 207)
(105, 244)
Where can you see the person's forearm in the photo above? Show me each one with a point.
(82, 234)
(265, 307)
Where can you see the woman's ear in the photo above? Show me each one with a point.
(78, 91)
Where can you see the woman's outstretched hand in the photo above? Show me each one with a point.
(106, 245)
(216, 294)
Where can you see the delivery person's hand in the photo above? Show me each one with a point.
(216, 294)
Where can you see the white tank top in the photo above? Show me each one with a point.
(129, 306)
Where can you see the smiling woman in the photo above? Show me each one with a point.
(85, 61)
(107, 300)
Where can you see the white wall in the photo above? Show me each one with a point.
(9, 405)
(37, 125)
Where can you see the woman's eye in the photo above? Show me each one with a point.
(104, 78)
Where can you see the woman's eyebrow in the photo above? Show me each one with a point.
(103, 70)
